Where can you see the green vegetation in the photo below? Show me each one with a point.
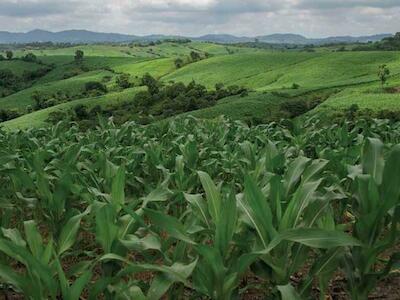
(191, 208)
(121, 179)
(383, 74)
(387, 44)
(60, 74)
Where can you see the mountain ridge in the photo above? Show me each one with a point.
(85, 36)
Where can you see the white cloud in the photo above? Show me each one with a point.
(195, 17)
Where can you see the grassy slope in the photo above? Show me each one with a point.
(18, 67)
(366, 96)
(65, 65)
(256, 105)
(38, 118)
(156, 51)
(155, 67)
(256, 69)
(232, 69)
(72, 85)
(276, 70)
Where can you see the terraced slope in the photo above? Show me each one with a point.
(274, 70)
(368, 96)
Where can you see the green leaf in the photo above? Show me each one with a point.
(256, 208)
(314, 170)
(227, 225)
(18, 281)
(178, 271)
(118, 188)
(160, 194)
(169, 224)
(200, 206)
(106, 229)
(372, 159)
(303, 196)
(391, 180)
(33, 238)
(288, 292)
(149, 242)
(159, 286)
(79, 285)
(317, 238)
(293, 175)
(69, 233)
(14, 235)
(129, 293)
(212, 195)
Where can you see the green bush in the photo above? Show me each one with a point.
(123, 81)
(95, 86)
(295, 107)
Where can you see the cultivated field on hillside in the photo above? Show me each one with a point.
(264, 72)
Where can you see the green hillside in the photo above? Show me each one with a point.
(274, 77)
(72, 86)
(367, 96)
(156, 67)
(18, 67)
(280, 70)
(38, 118)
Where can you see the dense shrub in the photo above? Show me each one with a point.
(179, 63)
(34, 74)
(95, 86)
(152, 84)
(6, 115)
(123, 81)
(195, 56)
(81, 112)
(8, 79)
(295, 108)
(30, 57)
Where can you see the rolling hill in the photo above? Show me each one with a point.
(272, 77)
(84, 36)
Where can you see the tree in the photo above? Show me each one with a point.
(95, 86)
(295, 86)
(195, 56)
(179, 63)
(123, 81)
(79, 54)
(383, 74)
(39, 99)
(7, 78)
(81, 112)
(30, 57)
(9, 55)
(151, 83)
(1, 57)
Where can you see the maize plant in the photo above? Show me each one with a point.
(191, 209)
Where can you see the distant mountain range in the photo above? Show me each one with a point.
(84, 36)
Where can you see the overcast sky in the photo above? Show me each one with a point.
(313, 18)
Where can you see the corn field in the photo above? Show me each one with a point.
(194, 209)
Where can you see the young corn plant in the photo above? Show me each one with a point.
(42, 276)
(376, 213)
(289, 217)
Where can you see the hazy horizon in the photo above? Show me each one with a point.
(189, 36)
(313, 19)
